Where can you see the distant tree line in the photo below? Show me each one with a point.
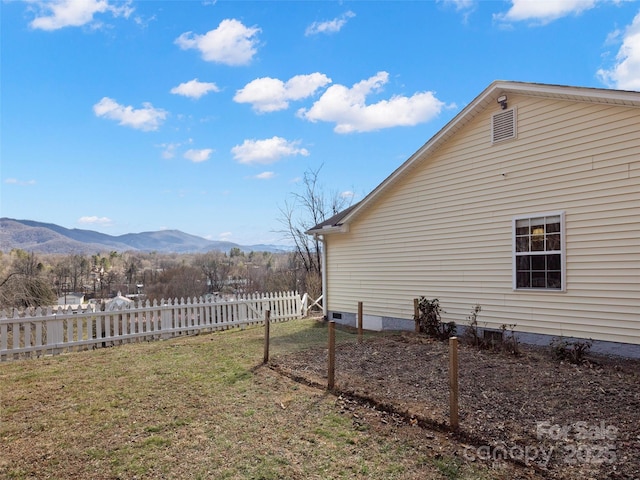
(31, 280)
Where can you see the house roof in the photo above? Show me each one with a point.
(340, 222)
(334, 222)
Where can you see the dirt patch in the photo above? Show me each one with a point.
(561, 420)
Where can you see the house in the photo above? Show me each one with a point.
(527, 203)
(118, 302)
(71, 299)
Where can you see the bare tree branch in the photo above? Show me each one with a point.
(306, 209)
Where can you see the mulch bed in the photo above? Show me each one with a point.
(558, 419)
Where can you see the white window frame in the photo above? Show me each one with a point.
(562, 252)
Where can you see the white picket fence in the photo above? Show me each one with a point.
(52, 331)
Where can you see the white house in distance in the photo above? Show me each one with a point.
(118, 303)
(526, 203)
(71, 299)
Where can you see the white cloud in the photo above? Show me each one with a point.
(225, 236)
(95, 220)
(271, 94)
(460, 5)
(144, 22)
(147, 118)
(625, 73)
(543, 12)
(465, 7)
(197, 156)
(57, 14)
(330, 26)
(266, 151)
(348, 109)
(22, 183)
(265, 175)
(194, 88)
(168, 149)
(347, 194)
(231, 43)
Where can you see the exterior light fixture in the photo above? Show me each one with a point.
(502, 100)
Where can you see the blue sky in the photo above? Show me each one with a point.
(203, 116)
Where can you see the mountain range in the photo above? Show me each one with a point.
(41, 237)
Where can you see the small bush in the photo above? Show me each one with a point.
(509, 340)
(505, 340)
(471, 335)
(573, 351)
(430, 322)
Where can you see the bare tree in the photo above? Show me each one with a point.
(179, 282)
(25, 285)
(78, 268)
(61, 272)
(107, 281)
(131, 267)
(216, 267)
(301, 212)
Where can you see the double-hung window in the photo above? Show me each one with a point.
(538, 252)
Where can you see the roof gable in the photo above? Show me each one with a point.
(487, 99)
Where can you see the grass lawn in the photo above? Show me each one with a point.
(201, 407)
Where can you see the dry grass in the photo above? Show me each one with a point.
(203, 407)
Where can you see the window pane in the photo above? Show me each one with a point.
(537, 223)
(523, 263)
(553, 242)
(538, 280)
(538, 262)
(554, 280)
(523, 280)
(522, 227)
(522, 244)
(553, 262)
(537, 243)
(553, 224)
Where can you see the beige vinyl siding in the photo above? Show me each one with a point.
(445, 230)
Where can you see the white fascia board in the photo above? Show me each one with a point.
(334, 229)
(328, 230)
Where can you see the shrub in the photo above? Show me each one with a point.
(471, 335)
(430, 322)
(496, 341)
(574, 351)
(509, 340)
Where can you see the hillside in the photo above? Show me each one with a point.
(41, 237)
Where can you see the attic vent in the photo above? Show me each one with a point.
(503, 126)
